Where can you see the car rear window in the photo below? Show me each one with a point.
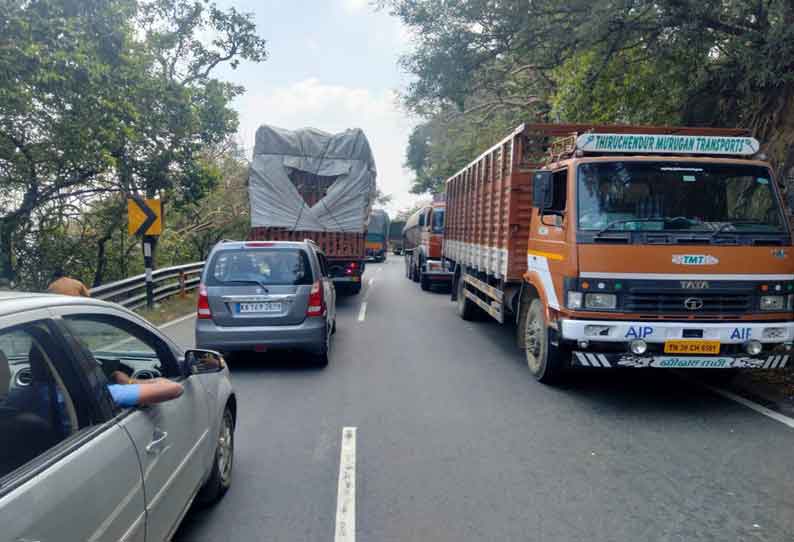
(264, 266)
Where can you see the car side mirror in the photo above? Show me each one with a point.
(199, 362)
(542, 190)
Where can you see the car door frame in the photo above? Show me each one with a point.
(202, 454)
(328, 285)
(101, 426)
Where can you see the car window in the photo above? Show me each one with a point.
(323, 264)
(265, 267)
(37, 410)
(120, 345)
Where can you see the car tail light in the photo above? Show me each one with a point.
(316, 301)
(351, 268)
(204, 311)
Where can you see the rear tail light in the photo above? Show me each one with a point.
(204, 311)
(351, 268)
(316, 301)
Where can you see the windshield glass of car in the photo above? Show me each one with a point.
(438, 221)
(665, 196)
(264, 266)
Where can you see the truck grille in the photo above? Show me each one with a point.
(664, 302)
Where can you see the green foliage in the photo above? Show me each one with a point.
(718, 63)
(100, 99)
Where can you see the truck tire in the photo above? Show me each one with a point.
(466, 309)
(424, 282)
(415, 268)
(545, 361)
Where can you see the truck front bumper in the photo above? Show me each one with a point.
(606, 343)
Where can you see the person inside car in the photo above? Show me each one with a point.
(131, 392)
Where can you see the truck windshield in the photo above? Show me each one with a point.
(663, 196)
(437, 222)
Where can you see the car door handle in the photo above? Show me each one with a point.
(155, 445)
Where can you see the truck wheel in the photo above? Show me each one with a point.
(466, 309)
(414, 270)
(424, 282)
(545, 361)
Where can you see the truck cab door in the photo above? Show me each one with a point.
(549, 253)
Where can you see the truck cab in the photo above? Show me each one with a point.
(626, 247)
(642, 258)
(423, 238)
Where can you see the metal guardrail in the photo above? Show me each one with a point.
(131, 292)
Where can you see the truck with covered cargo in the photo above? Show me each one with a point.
(377, 242)
(308, 184)
(624, 246)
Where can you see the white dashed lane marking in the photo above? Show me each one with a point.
(362, 313)
(345, 529)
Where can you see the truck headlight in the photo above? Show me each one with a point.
(600, 301)
(575, 300)
(773, 302)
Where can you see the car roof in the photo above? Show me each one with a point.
(15, 302)
(233, 245)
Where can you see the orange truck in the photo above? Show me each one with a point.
(423, 239)
(626, 246)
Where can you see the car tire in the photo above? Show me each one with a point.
(545, 361)
(354, 290)
(220, 479)
(322, 358)
(466, 308)
(333, 328)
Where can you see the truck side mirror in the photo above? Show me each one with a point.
(542, 190)
(422, 220)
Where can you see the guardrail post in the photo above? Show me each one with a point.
(182, 290)
(148, 264)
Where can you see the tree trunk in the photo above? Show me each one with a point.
(7, 270)
(772, 123)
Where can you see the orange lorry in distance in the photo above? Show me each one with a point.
(423, 238)
(626, 246)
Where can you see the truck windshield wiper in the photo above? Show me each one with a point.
(248, 281)
(626, 221)
(722, 228)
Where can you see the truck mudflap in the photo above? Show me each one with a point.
(618, 360)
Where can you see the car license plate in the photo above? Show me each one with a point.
(692, 347)
(253, 308)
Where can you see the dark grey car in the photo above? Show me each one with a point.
(263, 295)
(73, 464)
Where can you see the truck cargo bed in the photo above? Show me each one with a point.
(335, 245)
(488, 211)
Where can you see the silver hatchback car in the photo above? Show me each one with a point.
(262, 295)
(74, 465)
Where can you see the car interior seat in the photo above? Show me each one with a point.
(25, 434)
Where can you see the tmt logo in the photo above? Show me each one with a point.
(694, 259)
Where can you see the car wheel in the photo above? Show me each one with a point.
(321, 359)
(333, 328)
(221, 475)
(545, 361)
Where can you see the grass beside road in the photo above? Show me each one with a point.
(170, 309)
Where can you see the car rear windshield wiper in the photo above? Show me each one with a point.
(248, 281)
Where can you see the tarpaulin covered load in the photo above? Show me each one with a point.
(310, 180)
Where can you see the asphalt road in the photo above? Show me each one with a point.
(456, 442)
